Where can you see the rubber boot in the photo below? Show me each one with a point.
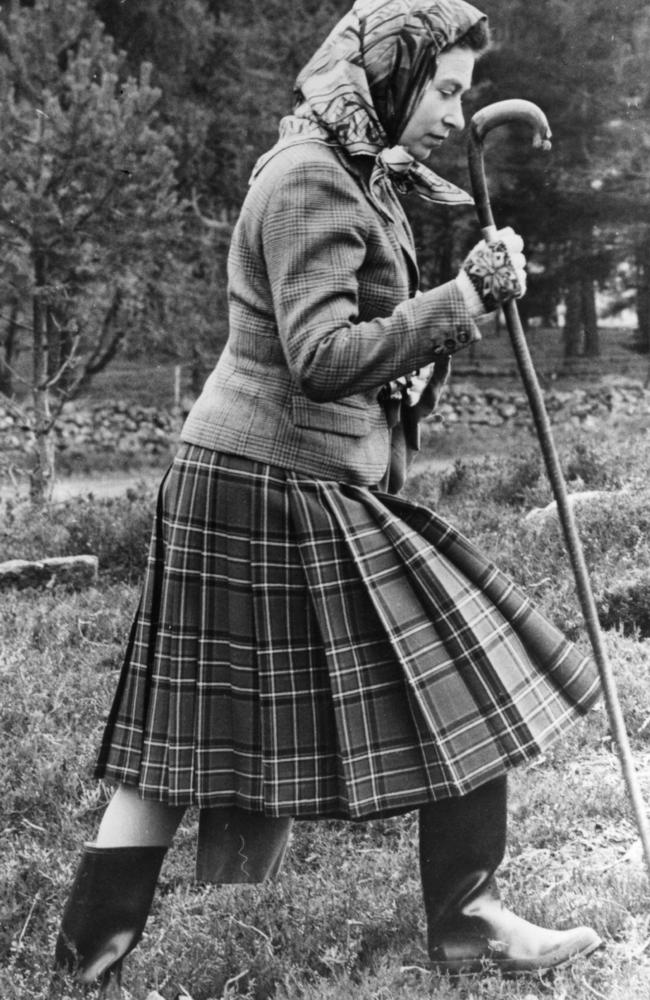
(462, 843)
(107, 909)
(487, 933)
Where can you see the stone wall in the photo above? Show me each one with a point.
(135, 434)
(142, 435)
(468, 403)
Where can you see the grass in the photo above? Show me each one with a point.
(345, 919)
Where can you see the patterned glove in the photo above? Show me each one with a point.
(493, 273)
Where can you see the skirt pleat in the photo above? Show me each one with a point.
(305, 648)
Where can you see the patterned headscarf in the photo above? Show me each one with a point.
(363, 83)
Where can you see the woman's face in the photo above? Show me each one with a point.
(440, 110)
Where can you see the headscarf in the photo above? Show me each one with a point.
(361, 86)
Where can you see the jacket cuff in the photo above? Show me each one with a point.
(457, 330)
(473, 300)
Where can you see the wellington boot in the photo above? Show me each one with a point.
(486, 933)
(107, 909)
(462, 843)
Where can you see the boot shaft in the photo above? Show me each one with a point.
(462, 843)
(107, 909)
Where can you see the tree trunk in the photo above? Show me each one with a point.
(197, 371)
(643, 293)
(643, 318)
(8, 349)
(573, 322)
(588, 304)
(581, 330)
(42, 471)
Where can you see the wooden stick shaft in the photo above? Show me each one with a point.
(482, 122)
(580, 571)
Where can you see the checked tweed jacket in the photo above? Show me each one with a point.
(322, 279)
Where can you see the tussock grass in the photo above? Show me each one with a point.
(345, 918)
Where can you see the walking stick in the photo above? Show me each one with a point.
(483, 122)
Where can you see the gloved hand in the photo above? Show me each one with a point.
(406, 401)
(493, 273)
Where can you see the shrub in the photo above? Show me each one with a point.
(518, 481)
(594, 467)
(515, 481)
(116, 530)
(626, 605)
(460, 479)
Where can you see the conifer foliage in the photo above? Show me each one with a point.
(88, 207)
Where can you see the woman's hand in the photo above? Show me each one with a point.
(426, 387)
(493, 273)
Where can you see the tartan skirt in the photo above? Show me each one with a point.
(311, 649)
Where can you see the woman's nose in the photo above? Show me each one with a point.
(455, 117)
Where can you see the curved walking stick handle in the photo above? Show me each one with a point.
(512, 110)
(489, 117)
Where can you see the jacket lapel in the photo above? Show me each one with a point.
(384, 200)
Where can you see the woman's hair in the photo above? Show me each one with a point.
(477, 38)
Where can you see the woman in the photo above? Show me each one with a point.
(309, 645)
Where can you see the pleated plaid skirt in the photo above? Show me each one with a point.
(310, 649)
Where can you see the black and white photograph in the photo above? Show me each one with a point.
(324, 500)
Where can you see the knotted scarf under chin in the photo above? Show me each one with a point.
(392, 165)
(408, 175)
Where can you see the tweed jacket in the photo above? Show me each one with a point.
(321, 284)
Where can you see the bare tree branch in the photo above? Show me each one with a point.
(218, 224)
(69, 361)
(15, 408)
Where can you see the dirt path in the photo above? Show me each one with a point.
(104, 485)
(109, 484)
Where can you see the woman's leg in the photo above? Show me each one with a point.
(130, 821)
(111, 896)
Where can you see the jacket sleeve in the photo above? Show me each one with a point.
(314, 234)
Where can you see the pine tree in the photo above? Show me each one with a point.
(587, 66)
(88, 206)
